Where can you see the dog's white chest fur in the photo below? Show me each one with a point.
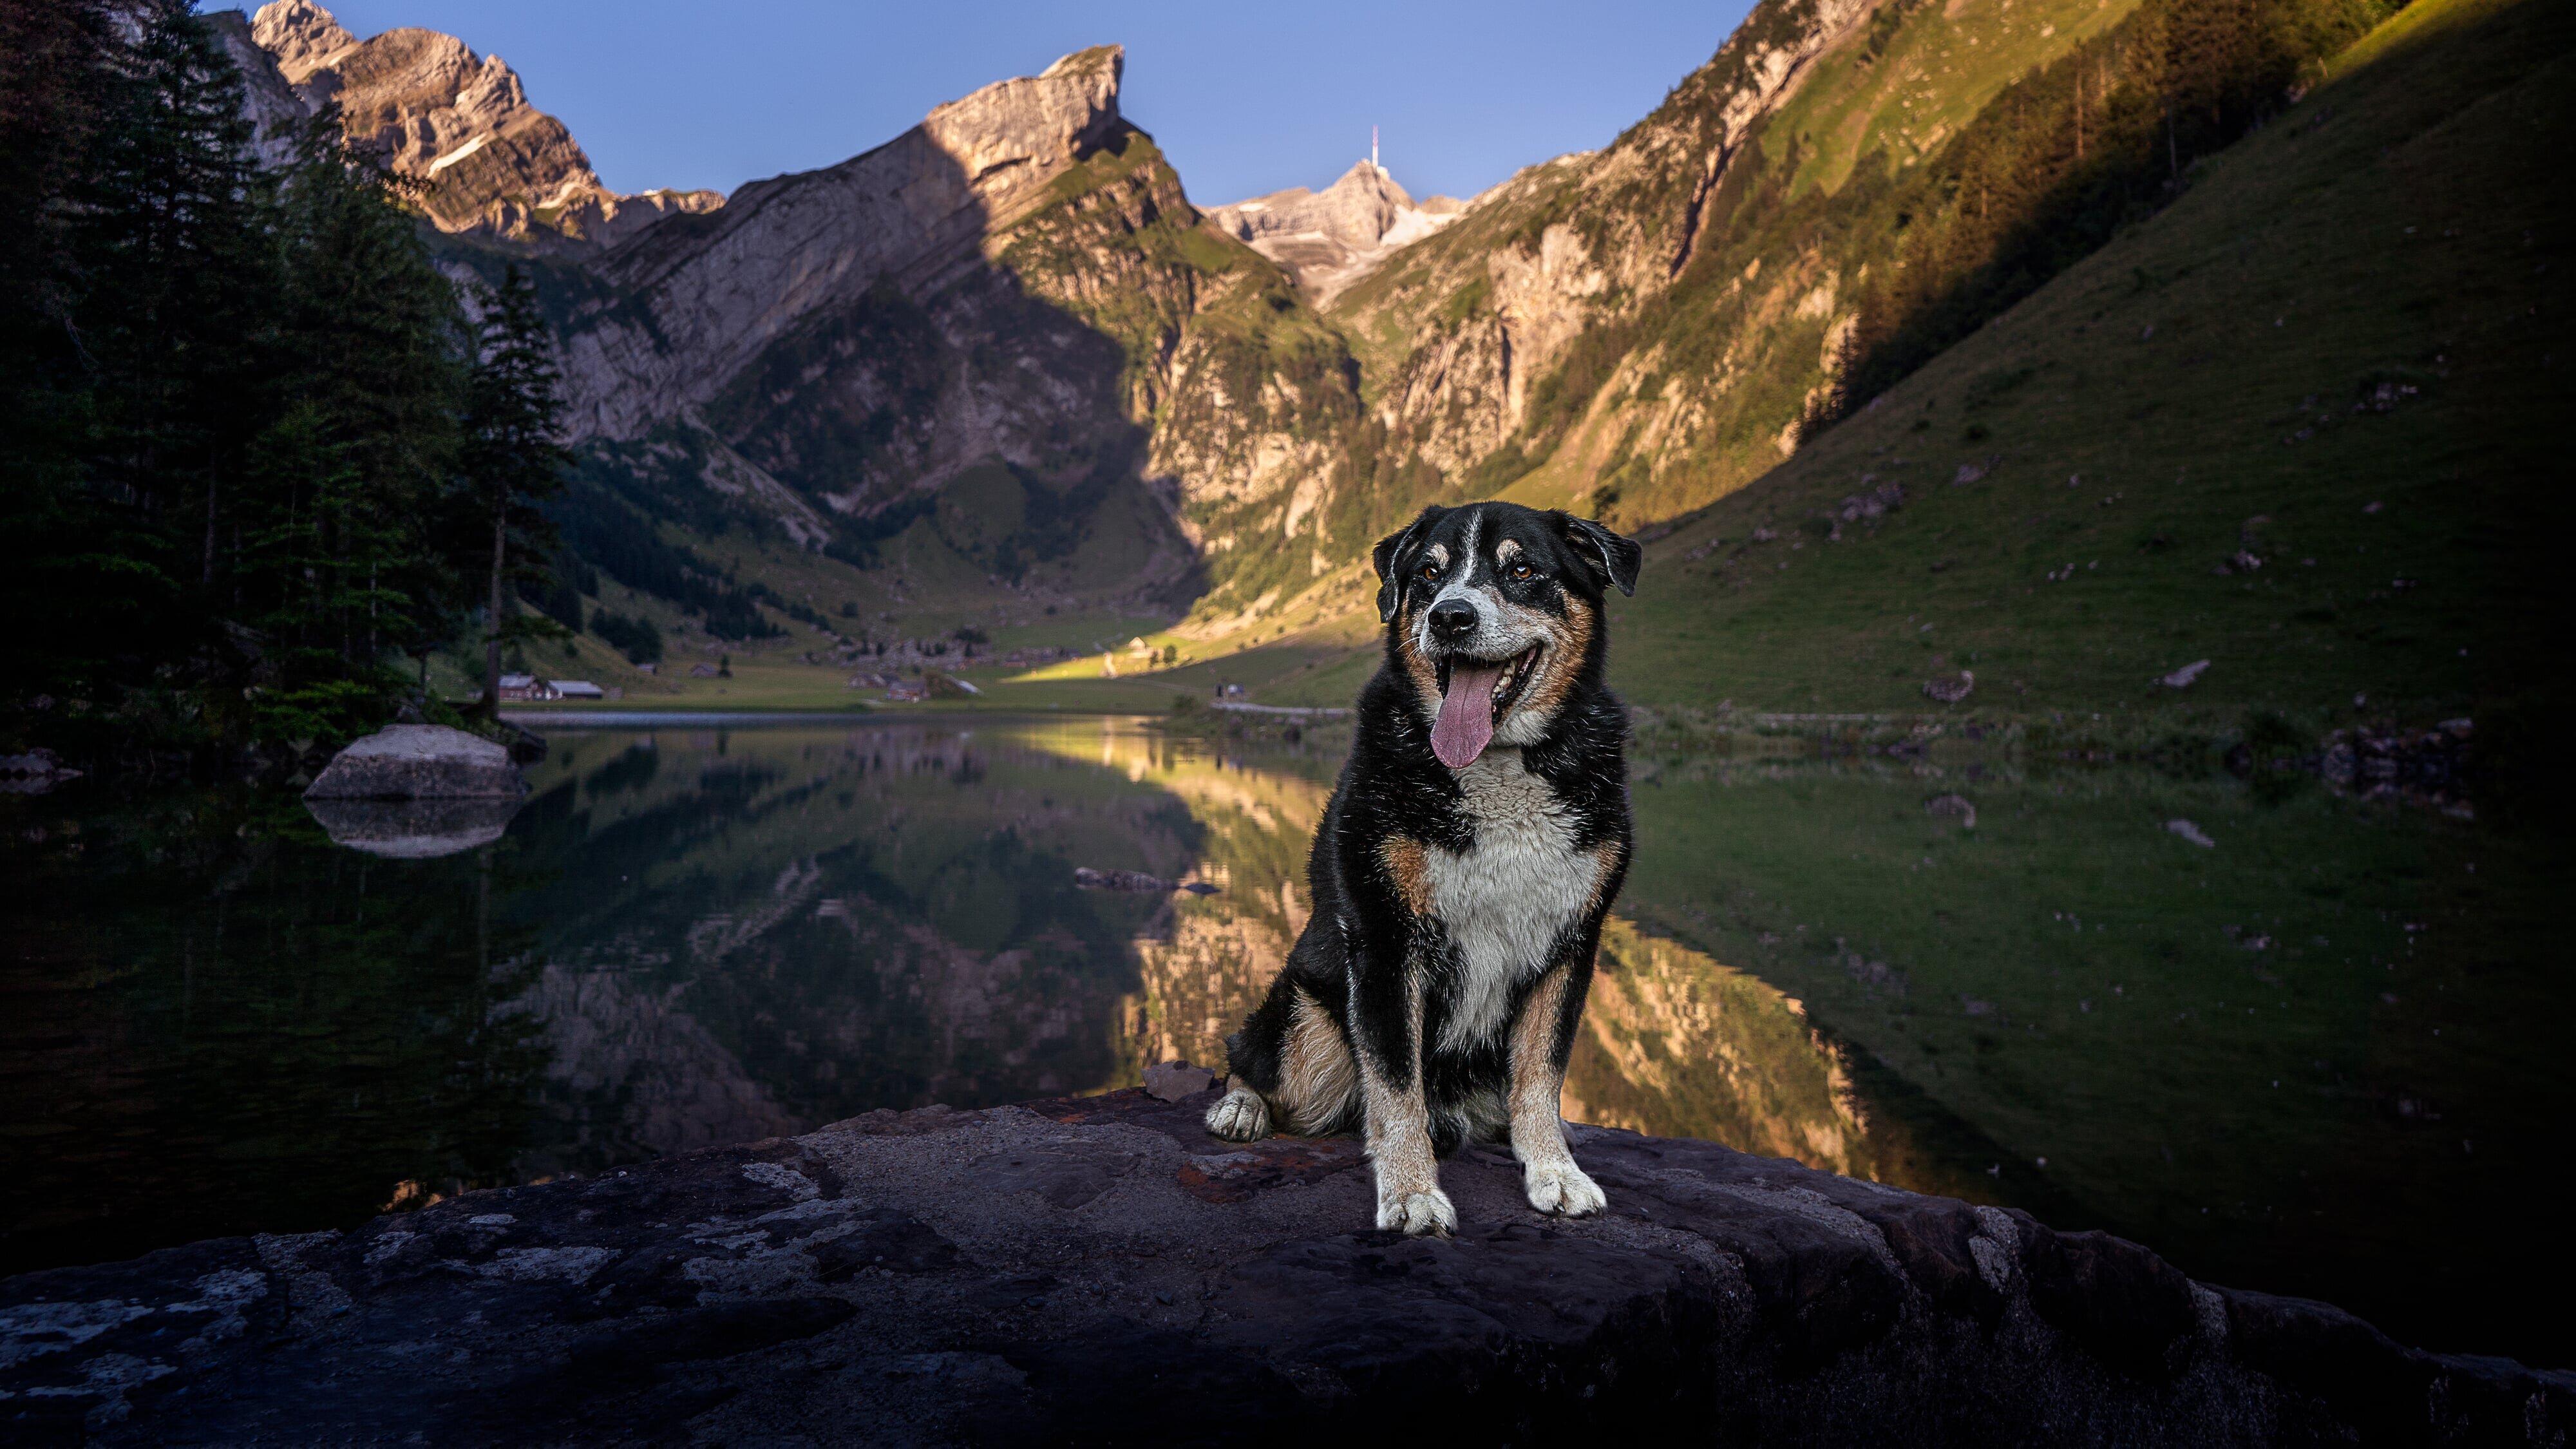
(1505, 901)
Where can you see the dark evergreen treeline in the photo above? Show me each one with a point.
(257, 450)
(2051, 169)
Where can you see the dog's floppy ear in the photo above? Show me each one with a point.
(1614, 559)
(1383, 557)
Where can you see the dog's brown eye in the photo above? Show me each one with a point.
(1430, 571)
(1521, 572)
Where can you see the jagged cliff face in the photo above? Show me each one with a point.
(1634, 332)
(697, 305)
(1456, 329)
(1471, 322)
(1010, 316)
(493, 163)
(1006, 348)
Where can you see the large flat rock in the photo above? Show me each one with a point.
(1099, 1269)
(419, 762)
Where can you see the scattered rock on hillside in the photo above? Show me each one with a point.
(1877, 503)
(1876, 975)
(2184, 677)
(2190, 832)
(33, 773)
(2389, 761)
(1976, 469)
(1951, 691)
(1957, 805)
(1135, 882)
(420, 762)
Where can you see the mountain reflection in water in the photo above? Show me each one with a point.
(1967, 979)
(885, 918)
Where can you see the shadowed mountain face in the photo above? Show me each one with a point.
(1001, 364)
(996, 359)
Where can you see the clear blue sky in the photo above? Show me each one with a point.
(1245, 99)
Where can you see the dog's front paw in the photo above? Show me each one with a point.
(1239, 1116)
(1563, 1188)
(1417, 1213)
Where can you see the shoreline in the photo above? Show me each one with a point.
(1035, 1270)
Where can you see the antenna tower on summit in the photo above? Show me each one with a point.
(1373, 166)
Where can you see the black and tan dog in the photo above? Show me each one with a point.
(1465, 863)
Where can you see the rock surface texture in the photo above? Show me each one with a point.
(697, 305)
(1098, 1269)
(492, 162)
(1329, 239)
(417, 829)
(419, 762)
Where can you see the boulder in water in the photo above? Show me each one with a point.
(420, 762)
(413, 829)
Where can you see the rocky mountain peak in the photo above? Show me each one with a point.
(302, 36)
(916, 211)
(1017, 132)
(461, 123)
(1329, 239)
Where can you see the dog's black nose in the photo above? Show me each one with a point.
(1453, 619)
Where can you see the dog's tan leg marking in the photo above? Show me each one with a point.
(1398, 1134)
(1548, 1173)
(1240, 1115)
(1317, 1077)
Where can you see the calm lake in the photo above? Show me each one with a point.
(2323, 1053)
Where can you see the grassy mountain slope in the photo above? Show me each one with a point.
(1586, 334)
(2212, 383)
(2206, 389)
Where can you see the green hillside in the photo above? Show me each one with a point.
(2330, 355)
(2000, 338)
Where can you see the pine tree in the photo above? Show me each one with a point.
(182, 275)
(237, 394)
(513, 460)
(56, 98)
(368, 391)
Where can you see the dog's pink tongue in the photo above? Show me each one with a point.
(1466, 723)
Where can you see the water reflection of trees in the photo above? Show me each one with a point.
(227, 1024)
(221, 1023)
